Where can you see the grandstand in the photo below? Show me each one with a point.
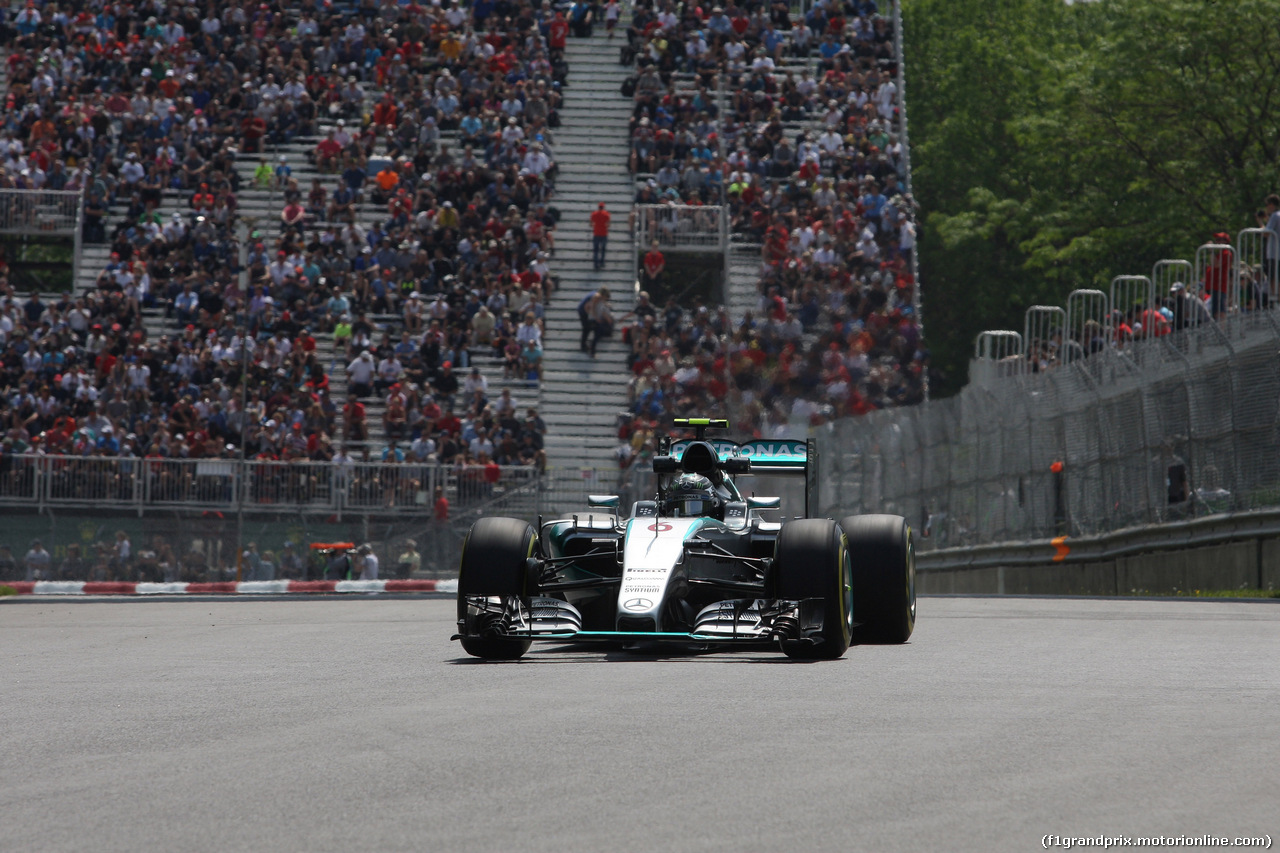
(325, 200)
(795, 125)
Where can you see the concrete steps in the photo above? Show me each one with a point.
(582, 396)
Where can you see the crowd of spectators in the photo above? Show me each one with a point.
(146, 107)
(811, 167)
(164, 558)
(82, 383)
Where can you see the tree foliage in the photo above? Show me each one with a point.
(1055, 146)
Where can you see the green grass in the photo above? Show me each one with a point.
(7, 590)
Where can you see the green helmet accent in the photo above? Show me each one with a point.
(692, 495)
(691, 483)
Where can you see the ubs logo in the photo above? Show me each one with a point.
(660, 527)
(638, 604)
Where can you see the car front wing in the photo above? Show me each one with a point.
(724, 622)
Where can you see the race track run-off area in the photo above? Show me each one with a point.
(355, 724)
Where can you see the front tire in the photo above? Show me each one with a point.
(494, 556)
(811, 560)
(884, 577)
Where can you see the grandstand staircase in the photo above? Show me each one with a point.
(742, 291)
(582, 396)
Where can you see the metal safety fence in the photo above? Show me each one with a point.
(217, 520)
(228, 485)
(207, 546)
(681, 227)
(40, 212)
(1163, 428)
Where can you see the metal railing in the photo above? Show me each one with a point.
(228, 485)
(682, 227)
(48, 212)
(45, 213)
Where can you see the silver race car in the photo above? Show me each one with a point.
(696, 565)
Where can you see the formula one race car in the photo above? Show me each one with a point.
(697, 565)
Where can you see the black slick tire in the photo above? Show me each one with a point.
(494, 558)
(811, 560)
(884, 577)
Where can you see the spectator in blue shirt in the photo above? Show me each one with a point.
(718, 23)
(354, 177)
(873, 201)
(772, 38)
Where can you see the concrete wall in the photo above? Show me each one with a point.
(1247, 564)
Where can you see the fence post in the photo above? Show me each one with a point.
(79, 238)
(1041, 324)
(1256, 264)
(1166, 271)
(1210, 258)
(1084, 307)
(993, 352)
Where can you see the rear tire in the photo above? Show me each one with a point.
(884, 577)
(811, 560)
(494, 557)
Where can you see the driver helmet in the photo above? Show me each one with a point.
(690, 496)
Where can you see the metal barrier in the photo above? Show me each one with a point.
(1169, 428)
(682, 227)
(1087, 317)
(1216, 267)
(227, 485)
(997, 345)
(998, 353)
(1167, 272)
(1257, 267)
(45, 213)
(1042, 335)
(40, 212)
(1217, 552)
(1131, 291)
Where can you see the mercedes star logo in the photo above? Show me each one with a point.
(638, 604)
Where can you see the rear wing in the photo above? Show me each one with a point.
(778, 456)
(766, 456)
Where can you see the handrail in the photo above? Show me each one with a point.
(218, 484)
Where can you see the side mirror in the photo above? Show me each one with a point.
(664, 465)
(764, 503)
(603, 501)
(737, 465)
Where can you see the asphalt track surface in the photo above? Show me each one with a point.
(355, 725)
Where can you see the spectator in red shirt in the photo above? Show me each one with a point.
(354, 419)
(386, 113)
(557, 35)
(654, 265)
(328, 153)
(1217, 276)
(599, 235)
(202, 200)
(294, 215)
(492, 472)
